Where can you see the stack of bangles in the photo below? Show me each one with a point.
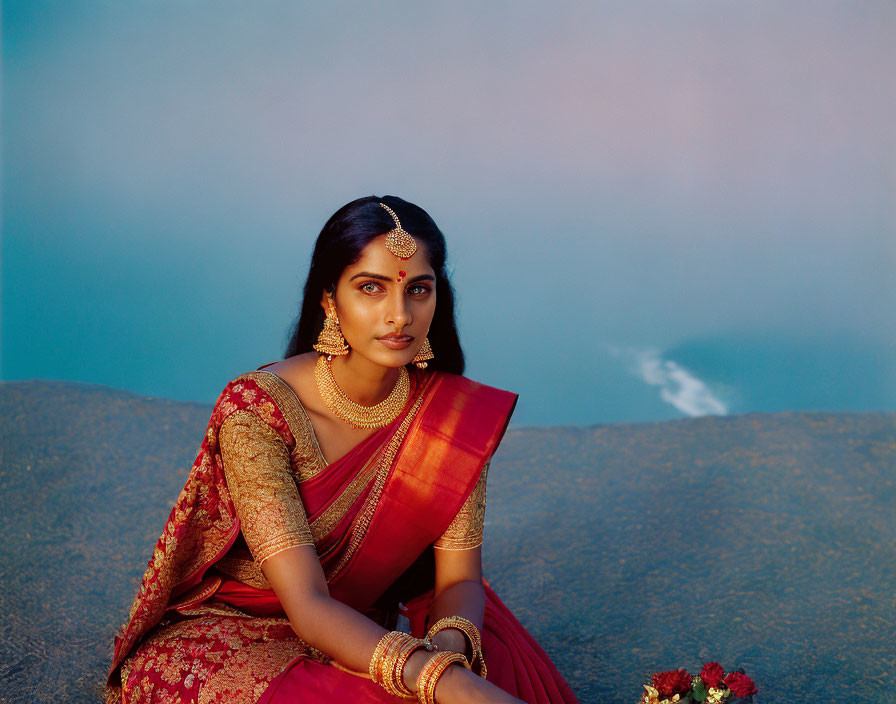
(475, 661)
(393, 650)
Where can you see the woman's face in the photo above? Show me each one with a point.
(386, 304)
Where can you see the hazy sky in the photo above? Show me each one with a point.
(653, 209)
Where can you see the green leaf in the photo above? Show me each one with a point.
(699, 691)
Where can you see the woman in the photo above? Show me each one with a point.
(334, 492)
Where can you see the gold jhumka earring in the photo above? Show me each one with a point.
(423, 354)
(330, 341)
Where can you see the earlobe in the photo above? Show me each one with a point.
(325, 300)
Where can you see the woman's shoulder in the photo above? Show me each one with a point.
(268, 395)
(277, 381)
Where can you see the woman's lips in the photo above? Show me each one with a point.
(396, 342)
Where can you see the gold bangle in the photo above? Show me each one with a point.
(377, 652)
(387, 666)
(471, 634)
(465, 626)
(432, 672)
(382, 647)
(388, 660)
(401, 689)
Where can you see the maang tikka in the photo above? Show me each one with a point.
(400, 242)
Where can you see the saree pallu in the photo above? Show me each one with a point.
(206, 627)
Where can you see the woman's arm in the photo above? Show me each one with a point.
(349, 637)
(338, 630)
(275, 527)
(458, 592)
(458, 557)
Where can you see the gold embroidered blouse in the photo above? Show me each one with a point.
(263, 485)
(465, 531)
(256, 466)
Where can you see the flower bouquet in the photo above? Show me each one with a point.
(711, 686)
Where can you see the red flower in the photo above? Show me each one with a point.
(740, 685)
(672, 682)
(712, 674)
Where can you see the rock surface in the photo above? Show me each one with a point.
(764, 541)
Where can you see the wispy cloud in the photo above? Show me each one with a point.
(678, 386)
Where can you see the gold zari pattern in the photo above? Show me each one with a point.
(188, 655)
(362, 521)
(266, 498)
(465, 531)
(245, 570)
(335, 512)
(306, 457)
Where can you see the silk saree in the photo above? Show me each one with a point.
(206, 627)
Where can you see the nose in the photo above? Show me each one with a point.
(398, 313)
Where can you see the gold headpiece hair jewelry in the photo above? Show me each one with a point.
(398, 241)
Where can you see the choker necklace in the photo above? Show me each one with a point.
(356, 415)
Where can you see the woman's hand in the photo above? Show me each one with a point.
(457, 685)
(458, 592)
(454, 640)
(350, 637)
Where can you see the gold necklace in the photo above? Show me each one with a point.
(356, 415)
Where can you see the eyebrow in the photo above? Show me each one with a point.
(370, 275)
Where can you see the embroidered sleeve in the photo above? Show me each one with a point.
(465, 531)
(257, 470)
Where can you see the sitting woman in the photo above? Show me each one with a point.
(327, 544)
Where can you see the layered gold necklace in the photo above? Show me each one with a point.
(356, 415)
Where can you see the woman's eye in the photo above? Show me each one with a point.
(369, 287)
(417, 289)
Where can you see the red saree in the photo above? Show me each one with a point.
(206, 627)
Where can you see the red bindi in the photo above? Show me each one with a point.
(401, 275)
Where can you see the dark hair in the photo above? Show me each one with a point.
(339, 245)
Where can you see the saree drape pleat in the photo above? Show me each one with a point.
(206, 627)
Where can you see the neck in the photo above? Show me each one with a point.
(363, 381)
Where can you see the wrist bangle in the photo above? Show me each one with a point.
(398, 686)
(389, 657)
(384, 644)
(472, 636)
(432, 672)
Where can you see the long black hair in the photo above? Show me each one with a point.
(339, 245)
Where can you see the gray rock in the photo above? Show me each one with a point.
(763, 541)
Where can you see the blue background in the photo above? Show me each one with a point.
(653, 209)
